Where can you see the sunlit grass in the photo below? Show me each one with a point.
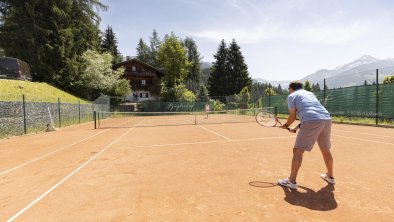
(354, 120)
(12, 90)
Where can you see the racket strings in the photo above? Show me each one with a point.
(266, 119)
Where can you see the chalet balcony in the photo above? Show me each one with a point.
(139, 86)
(139, 74)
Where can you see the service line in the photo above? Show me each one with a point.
(373, 141)
(370, 134)
(216, 133)
(204, 142)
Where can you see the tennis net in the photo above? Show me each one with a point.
(140, 119)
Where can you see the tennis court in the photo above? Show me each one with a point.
(132, 170)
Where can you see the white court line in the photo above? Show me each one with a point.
(45, 155)
(216, 133)
(206, 142)
(371, 134)
(68, 176)
(374, 141)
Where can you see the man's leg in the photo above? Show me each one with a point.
(324, 141)
(328, 160)
(296, 163)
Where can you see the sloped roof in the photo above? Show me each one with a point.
(137, 61)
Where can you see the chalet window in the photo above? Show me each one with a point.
(141, 95)
(143, 82)
(147, 95)
(134, 69)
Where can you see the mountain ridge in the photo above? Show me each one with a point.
(349, 74)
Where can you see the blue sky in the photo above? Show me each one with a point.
(280, 39)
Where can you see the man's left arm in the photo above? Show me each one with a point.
(290, 119)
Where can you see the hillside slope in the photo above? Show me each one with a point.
(12, 90)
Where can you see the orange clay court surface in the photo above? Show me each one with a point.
(207, 172)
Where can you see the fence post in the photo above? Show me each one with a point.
(79, 111)
(58, 105)
(254, 102)
(94, 119)
(377, 97)
(24, 114)
(324, 92)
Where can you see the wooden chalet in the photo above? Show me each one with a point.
(140, 75)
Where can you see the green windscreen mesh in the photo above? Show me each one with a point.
(357, 101)
(386, 101)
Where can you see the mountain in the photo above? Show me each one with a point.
(206, 65)
(283, 83)
(353, 73)
(350, 74)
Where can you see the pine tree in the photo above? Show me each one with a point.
(217, 79)
(155, 88)
(143, 52)
(203, 92)
(269, 91)
(238, 75)
(110, 43)
(279, 90)
(193, 77)
(155, 44)
(317, 88)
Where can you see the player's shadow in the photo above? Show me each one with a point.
(321, 200)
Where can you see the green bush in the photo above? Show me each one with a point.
(217, 105)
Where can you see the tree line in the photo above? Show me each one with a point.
(184, 78)
(62, 42)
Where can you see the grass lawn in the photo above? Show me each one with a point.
(12, 90)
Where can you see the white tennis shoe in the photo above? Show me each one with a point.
(325, 177)
(286, 183)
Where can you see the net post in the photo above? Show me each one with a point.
(276, 111)
(377, 98)
(24, 114)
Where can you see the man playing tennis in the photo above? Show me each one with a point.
(315, 126)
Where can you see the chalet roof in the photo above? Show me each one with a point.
(140, 62)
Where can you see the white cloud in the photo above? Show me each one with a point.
(332, 34)
(255, 34)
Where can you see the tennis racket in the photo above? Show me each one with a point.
(268, 119)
